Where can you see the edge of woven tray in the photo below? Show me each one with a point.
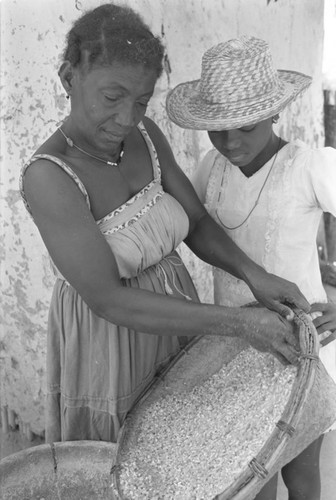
(142, 397)
(256, 474)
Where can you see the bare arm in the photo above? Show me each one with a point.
(83, 256)
(211, 244)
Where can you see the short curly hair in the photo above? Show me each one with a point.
(112, 33)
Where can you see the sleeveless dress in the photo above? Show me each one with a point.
(96, 369)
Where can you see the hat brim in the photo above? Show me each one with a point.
(186, 107)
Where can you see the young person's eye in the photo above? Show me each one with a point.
(143, 103)
(248, 128)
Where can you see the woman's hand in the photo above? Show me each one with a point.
(270, 332)
(276, 293)
(327, 321)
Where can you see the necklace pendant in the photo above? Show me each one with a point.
(73, 145)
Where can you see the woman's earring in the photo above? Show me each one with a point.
(275, 119)
(67, 96)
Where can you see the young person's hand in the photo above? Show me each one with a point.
(327, 321)
(328, 273)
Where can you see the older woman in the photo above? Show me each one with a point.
(112, 205)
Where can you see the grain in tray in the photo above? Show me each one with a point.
(192, 445)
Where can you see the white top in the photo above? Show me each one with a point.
(281, 232)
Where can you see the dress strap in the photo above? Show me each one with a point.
(152, 151)
(63, 166)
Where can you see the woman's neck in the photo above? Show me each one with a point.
(82, 146)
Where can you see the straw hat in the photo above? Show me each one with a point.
(238, 86)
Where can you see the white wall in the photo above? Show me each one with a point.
(329, 65)
(32, 102)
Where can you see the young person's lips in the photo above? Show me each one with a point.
(235, 157)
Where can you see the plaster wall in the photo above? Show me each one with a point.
(33, 102)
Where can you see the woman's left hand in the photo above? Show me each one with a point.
(277, 294)
(267, 331)
(327, 321)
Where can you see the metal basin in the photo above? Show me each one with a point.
(59, 471)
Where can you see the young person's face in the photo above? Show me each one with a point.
(244, 146)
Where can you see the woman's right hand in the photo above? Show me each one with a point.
(267, 331)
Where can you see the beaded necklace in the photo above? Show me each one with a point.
(109, 163)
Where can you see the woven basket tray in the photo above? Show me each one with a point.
(309, 411)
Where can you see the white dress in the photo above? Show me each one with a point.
(281, 232)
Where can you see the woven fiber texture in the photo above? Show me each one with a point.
(310, 408)
(239, 86)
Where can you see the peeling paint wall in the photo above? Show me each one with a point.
(33, 102)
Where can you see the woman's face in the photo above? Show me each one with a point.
(107, 102)
(245, 145)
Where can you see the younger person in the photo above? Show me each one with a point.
(268, 194)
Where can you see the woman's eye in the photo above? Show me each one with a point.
(110, 98)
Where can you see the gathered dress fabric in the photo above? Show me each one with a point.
(95, 369)
(280, 234)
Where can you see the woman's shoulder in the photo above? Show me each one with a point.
(44, 174)
(48, 155)
(48, 167)
(148, 126)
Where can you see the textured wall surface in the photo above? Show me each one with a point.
(33, 102)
